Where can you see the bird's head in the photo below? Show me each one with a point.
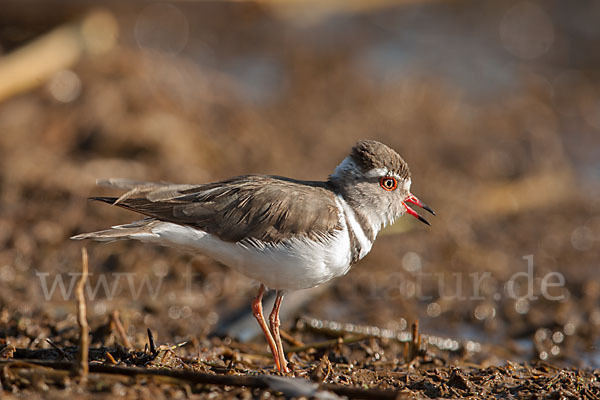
(376, 181)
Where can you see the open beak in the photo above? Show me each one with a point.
(413, 200)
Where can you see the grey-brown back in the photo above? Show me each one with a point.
(259, 207)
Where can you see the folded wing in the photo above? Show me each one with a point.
(264, 208)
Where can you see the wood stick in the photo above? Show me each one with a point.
(327, 343)
(251, 381)
(81, 366)
(334, 328)
(290, 339)
(116, 320)
(151, 342)
(110, 358)
(416, 340)
(55, 347)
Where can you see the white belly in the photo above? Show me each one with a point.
(297, 264)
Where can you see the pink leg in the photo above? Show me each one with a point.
(275, 322)
(257, 310)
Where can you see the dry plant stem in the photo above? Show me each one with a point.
(55, 347)
(290, 339)
(275, 323)
(257, 311)
(120, 330)
(81, 366)
(416, 340)
(334, 328)
(251, 381)
(110, 359)
(151, 344)
(328, 343)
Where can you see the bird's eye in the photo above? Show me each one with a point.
(388, 183)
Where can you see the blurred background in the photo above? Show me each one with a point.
(495, 106)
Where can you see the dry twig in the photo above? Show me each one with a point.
(327, 343)
(151, 344)
(290, 339)
(110, 359)
(81, 367)
(340, 328)
(58, 349)
(251, 381)
(116, 320)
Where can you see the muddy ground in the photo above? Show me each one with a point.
(494, 105)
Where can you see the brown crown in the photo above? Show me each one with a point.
(370, 154)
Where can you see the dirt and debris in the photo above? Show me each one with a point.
(500, 298)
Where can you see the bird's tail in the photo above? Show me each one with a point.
(149, 192)
(136, 230)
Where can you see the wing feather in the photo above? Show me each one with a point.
(244, 208)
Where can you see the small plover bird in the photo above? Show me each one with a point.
(286, 234)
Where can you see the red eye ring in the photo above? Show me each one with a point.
(388, 183)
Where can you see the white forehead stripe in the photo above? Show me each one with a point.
(379, 172)
(349, 167)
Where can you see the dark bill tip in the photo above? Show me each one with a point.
(423, 220)
(415, 214)
(427, 208)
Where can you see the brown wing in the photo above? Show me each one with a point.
(247, 207)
